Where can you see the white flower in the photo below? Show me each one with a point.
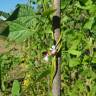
(46, 58)
(53, 47)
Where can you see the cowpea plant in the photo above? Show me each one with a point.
(32, 29)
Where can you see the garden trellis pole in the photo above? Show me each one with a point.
(56, 86)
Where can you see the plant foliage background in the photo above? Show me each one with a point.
(30, 33)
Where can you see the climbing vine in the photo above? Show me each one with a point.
(31, 29)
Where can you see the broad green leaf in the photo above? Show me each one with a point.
(79, 6)
(89, 23)
(64, 3)
(88, 3)
(48, 12)
(24, 25)
(79, 84)
(94, 60)
(65, 19)
(74, 62)
(89, 43)
(16, 88)
(25, 10)
(75, 44)
(93, 92)
(19, 32)
(85, 60)
(74, 52)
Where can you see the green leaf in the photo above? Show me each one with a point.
(25, 10)
(16, 88)
(85, 60)
(79, 84)
(24, 25)
(53, 70)
(19, 32)
(43, 74)
(3, 86)
(64, 3)
(65, 19)
(74, 62)
(94, 60)
(75, 44)
(48, 12)
(74, 52)
(88, 3)
(93, 92)
(89, 23)
(79, 6)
